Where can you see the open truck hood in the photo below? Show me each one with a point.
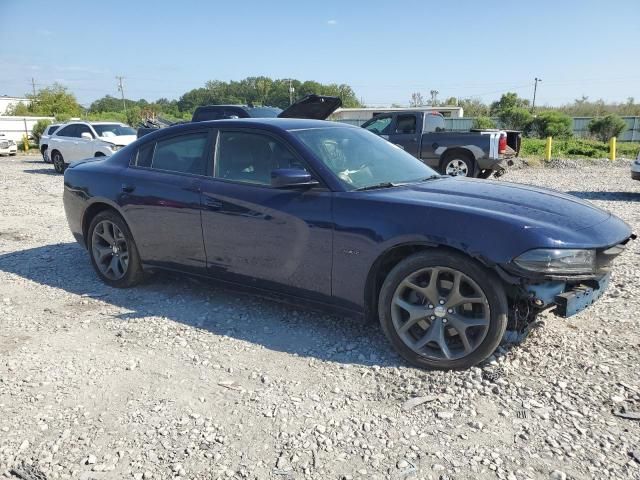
(314, 107)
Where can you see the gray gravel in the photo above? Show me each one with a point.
(182, 379)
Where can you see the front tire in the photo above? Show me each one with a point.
(58, 161)
(442, 310)
(113, 251)
(457, 165)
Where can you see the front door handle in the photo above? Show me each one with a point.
(128, 188)
(213, 204)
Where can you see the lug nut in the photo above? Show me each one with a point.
(444, 320)
(450, 310)
(441, 302)
(430, 306)
(433, 317)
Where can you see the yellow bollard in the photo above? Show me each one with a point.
(25, 143)
(547, 149)
(612, 148)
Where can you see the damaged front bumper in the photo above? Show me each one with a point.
(568, 298)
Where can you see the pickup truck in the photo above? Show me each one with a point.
(317, 107)
(477, 153)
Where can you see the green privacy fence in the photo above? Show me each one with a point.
(631, 134)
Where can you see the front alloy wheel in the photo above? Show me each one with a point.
(58, 162)
(442, 310)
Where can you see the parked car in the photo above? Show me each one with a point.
(44, 141)
(317, 107)
(79, 140)
(331, 215)
(635, 168)
(477, 153)
(7, 146)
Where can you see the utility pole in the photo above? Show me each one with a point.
(291, 90)
(33, 85)
(535, 89)
(121, 89)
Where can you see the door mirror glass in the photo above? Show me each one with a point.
(86, 136)
(291, 178)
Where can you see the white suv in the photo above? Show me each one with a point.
(79, 140)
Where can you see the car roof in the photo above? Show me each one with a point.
(270, 123)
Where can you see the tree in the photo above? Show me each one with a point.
(473, 107)
(416, 100)
(515, 118)
(553, 124)
(508, 101)
(604, 128)
(483, 123)
(38, 129)
(53, 101)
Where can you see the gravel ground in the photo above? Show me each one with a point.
(179, 378)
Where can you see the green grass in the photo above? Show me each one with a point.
(577, 148)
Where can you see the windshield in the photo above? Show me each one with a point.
(361, 159)
(113, 130)
(264, 112)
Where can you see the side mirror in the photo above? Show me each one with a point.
(86, 136)
(291, 178)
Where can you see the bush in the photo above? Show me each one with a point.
(604, 128)
(39, 128)
(515, 118)
(577, 148)
(483, 123)
(553, 124)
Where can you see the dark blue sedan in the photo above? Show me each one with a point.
(332, 215)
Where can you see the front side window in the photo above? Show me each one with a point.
(406, 124)
(360, 159)
(251, 157)
(80, 129)
(184, 154)
(379, 125)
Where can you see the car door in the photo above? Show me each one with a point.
(64, 142)
(84, 147)
(262, 236)
(404, 132)
(161, 199)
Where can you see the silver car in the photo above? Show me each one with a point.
(44, 141)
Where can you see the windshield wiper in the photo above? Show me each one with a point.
(432, 177)
(377, 186)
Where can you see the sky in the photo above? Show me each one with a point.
(385, 50)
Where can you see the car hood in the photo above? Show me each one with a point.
(121, 140)
(530, 206)
(314, 107)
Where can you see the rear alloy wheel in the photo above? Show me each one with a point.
(114, 254)
(45, 155)
(457, 166)
(442, 310)
(58, 161)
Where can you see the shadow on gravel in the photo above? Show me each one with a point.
(609, 196)
(43, 171)
(208, 306)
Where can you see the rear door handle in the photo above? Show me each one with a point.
(213, 204)
(127, 188)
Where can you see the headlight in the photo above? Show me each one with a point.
(114, 147)
(558, 261)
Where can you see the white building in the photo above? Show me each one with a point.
(7, 101)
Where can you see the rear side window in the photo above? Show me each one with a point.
(185, 154)
(68, 131)
(52, 129)
(145, 155)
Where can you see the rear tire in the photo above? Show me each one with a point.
(113, 251)
(458, 328)
(45, 158)
(58, 161)
(457, 165)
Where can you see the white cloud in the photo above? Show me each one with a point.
(332, 22)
